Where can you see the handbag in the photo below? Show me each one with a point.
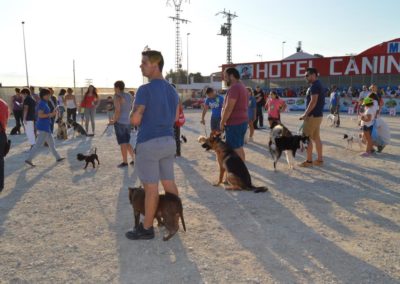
(181, 119)
(374, 133)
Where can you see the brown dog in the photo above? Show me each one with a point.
(238, 175)
(168, 211)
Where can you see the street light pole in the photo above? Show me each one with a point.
(260, 56)
(283, 49)
(73, 70)
(187, 59)
(26, 61)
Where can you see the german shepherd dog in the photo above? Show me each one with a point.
(238, 175)
(62, 129)
(281, 139)
(169, 210)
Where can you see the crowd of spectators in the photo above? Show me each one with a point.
(385, 92)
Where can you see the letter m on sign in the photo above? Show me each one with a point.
(393, 47)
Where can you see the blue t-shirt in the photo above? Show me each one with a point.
(160, 100)
(43, 124)
(334, 99)
(215, 104)
(316, 89)
(252, 106)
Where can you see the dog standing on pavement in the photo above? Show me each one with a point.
(350, 139)
(282, 140)
(89, 158)
(332, 119)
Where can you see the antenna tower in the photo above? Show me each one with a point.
(226, 30)
(178, 41)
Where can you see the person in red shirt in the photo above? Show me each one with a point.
(274, 108)
(90, 102)
(4, 115)
(234, 112)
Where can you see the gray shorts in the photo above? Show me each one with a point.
(155, 159)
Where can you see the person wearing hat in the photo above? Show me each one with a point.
(366, 123)
(43, 126)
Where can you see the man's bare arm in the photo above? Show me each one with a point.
(137, 114)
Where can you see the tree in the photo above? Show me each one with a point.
(178, 77)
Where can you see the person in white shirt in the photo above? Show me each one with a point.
(398, 91)
(366, 123)
(388, 92)
(363, 94)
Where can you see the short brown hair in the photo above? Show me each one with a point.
(26, 91)
(155, 57)
(120, 85)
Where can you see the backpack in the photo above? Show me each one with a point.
(7, 145)
(181, 120)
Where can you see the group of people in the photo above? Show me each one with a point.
(256, 103)
(155, 111)
(241, 111)
(37, 114)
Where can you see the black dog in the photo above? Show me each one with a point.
(16, 130)
(287, 144)
(281, 139)
(89, 158)
(183, 139)
(77, 128)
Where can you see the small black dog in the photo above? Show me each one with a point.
(16, 130)
(77, 128)
(89, 158)
(183, 139)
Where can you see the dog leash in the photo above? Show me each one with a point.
(105, 130)
(205, 129)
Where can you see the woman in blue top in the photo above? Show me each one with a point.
(43, 126)
(251, 112)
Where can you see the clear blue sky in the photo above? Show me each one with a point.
(106, 37)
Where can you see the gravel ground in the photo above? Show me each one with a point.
(336, 224)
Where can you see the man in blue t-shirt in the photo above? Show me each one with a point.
(43, 126)
(315, 100)
(334, 101)
(155, 111)
(215, 103)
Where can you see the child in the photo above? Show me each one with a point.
(367, 121)
(274, 107)
(251, 112)
(110, 108)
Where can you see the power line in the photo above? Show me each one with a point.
(178, 42)
(226, 30)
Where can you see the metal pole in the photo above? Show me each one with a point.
(259, 78)
(73, 66)
(283, 49)
(187, 59)
(26, 61)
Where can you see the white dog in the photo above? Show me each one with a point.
(354, 139)
(331, 120)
